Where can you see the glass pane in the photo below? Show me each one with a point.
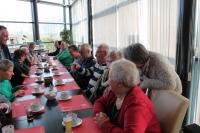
(55, 1)
(13, 10)
(19, 32)
(67, 15)
(49, 13)
(50, 32)
(49, 46)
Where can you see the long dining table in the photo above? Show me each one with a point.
(50, 119)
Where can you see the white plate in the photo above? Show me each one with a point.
(35, 111)
(67, 98)
(57, 74)
(59, 83)
(78, 122)
(38, 92)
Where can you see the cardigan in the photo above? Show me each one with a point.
(6, 89)
(136, 115)
(65, 58)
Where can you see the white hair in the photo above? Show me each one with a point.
(86, 46)
(124, 72)
(104, 46)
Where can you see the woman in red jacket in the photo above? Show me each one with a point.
(125, 109)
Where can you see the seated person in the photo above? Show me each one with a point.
(28, 60)
(75, 53)
(125, 108)
(32, 46)
(64, 56)
(6, 73)
(21, 71)
(5, 107)
(85, 62)
(57, 46)
(156, 72)
(102, 86)
(96, 71)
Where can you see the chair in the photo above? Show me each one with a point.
(170, 109)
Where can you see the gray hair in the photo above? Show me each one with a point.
(104, 46)
(5, 64)
(124, 72)
(136, 53)
(86, 46)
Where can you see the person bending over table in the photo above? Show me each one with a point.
(64, 56)
(6, 73)
(125, 108)
(21, 70)
(156, 72)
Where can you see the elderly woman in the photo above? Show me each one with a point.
(125, 108)
(156, 72)
(28, 60)
(64, 56)
(20, 69)
(6, 73)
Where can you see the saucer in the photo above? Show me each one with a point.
(40, 109)
(38, 92)
(78, 123)
(63, 99)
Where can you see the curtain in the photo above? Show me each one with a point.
(194, 109)
(80, 22)
(150, 22)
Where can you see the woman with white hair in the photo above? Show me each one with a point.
(156, 72)
(125, 108)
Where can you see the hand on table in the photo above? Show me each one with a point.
(101, 118)
(75, 66)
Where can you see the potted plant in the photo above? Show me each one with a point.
(66, 35)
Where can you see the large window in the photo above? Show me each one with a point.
(13, 10)
(50, 13)
(17, 20)
(52, 20)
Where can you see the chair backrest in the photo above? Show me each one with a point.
(170, 109)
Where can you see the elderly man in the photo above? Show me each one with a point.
(96, 71)
(4, 51)
(125, 109)
(64, 56)
(85, 62)
(156, 72)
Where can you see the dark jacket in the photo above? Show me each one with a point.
(19, 69)
(83, 80)
(6, 52)
(54, 53)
